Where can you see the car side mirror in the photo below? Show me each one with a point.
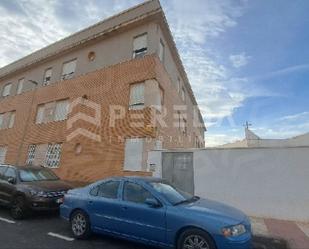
(11, 180)
(152, 202)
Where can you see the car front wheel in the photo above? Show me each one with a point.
(195, 239)
(18, 208)
(80, 225)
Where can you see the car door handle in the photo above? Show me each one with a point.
(124, 208)
(90, 202)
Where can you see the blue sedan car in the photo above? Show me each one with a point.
(152, 211)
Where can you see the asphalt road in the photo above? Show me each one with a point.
(48, 231)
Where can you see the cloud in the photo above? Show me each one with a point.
(239, 60)
(26, 26)
(217, 93)
(295, 117)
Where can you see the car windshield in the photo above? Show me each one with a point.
(32, 175)
(172, 194)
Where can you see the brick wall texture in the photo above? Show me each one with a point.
(107, 86)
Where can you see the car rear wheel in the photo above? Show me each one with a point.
(80, 225)
(18, 208)
(195, 239)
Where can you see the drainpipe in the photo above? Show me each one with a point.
(27, 121)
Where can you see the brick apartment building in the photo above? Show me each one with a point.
(91, 105)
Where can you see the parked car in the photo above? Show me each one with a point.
(152, 211)
(25, 188)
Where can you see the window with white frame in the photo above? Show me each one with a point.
(161, 50)
(59, 113)
(53, 155)
(183, 94)
(7, 90)
(61, 110)
(140, 46)
(184, 126)
(133, 158)
(178, 84)
(2, 154)
(47, 76)
(11, 121)
(40, 114)
(31, 154)
(1, 120)
(137, 98)
(68, 70)
(20, 86)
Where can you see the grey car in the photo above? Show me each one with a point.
(26, 188)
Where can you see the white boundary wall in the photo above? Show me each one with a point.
(263, 182)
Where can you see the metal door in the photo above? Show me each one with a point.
(177, 167)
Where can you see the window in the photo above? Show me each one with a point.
(184, 126)
(47, 76)
(140, 46)
(40, 114)
(52, 111)
(7, 120)
(11, 119)
(1, 120)
(183, 94)
(2, 169)
(31, 154)
(178, 84)
(20, 86)
(10, 172)
(161, 97)
(6, 90)
(161, 51)
(135, 193)
(53, 155)
(109, 189)
(137, 96)
(68, 70)
(2, 154)
(133, 157)
(61, 111)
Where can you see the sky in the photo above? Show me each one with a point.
(246, 60)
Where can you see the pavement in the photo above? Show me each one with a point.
(296, 234)
(48, 231)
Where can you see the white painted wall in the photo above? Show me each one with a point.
(272, 182)
(263, 182)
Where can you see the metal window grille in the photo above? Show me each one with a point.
(31, 154)
(53, 155)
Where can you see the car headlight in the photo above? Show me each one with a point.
(233, 231)
(38, 193)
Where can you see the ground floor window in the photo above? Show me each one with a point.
(133, 157)
(53, 155)
(47, 155)
(2, 154)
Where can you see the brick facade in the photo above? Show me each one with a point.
(106, 87)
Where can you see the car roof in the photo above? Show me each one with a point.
(138, 178)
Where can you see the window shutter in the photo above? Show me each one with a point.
(68, 69)
(11, 119)
(137, 96)
(20, 86)
(140, 42)
(7, 90)
(61, 111)
(2, 154)
(40, 114)
(47, 76)
(133, 158)
(1, 120)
